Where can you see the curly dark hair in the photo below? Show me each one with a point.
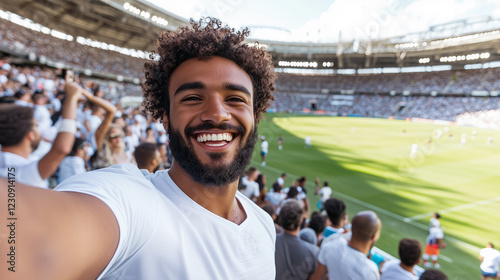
(206, 38)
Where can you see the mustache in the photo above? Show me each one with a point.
(206, 126)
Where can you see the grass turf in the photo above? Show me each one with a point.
(368, 165)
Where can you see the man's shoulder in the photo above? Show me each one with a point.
(119, 178)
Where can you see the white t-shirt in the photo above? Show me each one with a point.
(70, 165)
(391, 270)
(325, 193)
(26, 171)
(275, 198)
(491, 260)
(346, 263)
(252, 188)
(435, 233)
(280, 181)
(164, 234)
(264, 146)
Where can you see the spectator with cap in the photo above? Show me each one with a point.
(295, 258)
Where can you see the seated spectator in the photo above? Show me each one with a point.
(409, 252)
(74, 163)
(344, 260)
(295, 258)
(147, 157)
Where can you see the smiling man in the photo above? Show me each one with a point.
(189, 222)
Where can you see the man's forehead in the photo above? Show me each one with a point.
(213, 68)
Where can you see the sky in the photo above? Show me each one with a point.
(330, 20)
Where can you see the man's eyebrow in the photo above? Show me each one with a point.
(230, 86)
(192, 85)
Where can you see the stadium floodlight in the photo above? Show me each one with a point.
(424, 60)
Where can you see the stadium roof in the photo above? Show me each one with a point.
(105, 21)
(135, 24)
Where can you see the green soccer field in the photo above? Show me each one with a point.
(368, 165)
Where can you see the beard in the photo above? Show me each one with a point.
(206, 174)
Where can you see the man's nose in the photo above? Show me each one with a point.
(215, 110)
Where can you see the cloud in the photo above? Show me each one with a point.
(365, 19)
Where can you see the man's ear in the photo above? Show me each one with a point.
(30, 135)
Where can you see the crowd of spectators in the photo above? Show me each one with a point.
(442, 82)
(22, 40)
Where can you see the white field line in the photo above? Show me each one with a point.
(383, 211)
(456, 208)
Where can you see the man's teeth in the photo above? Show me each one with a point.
(215, 137)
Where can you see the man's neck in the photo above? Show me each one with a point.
(293, 232)
(18, 150)
(406, 267)
(220, 200)
(360, 246)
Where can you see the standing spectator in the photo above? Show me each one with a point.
(347, 260)
(336, 220)
(248, 186)
(131, 141)
(409, 251)
(303, 194)
(324, 193)
(20, 136)
(112, 150)
(147, 157)
(295, 258)
(281, 180)
(263, 149)
(490, 260)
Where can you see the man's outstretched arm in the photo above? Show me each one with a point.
(46, 234)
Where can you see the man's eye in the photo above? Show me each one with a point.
(191, 98)
(236, 99)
